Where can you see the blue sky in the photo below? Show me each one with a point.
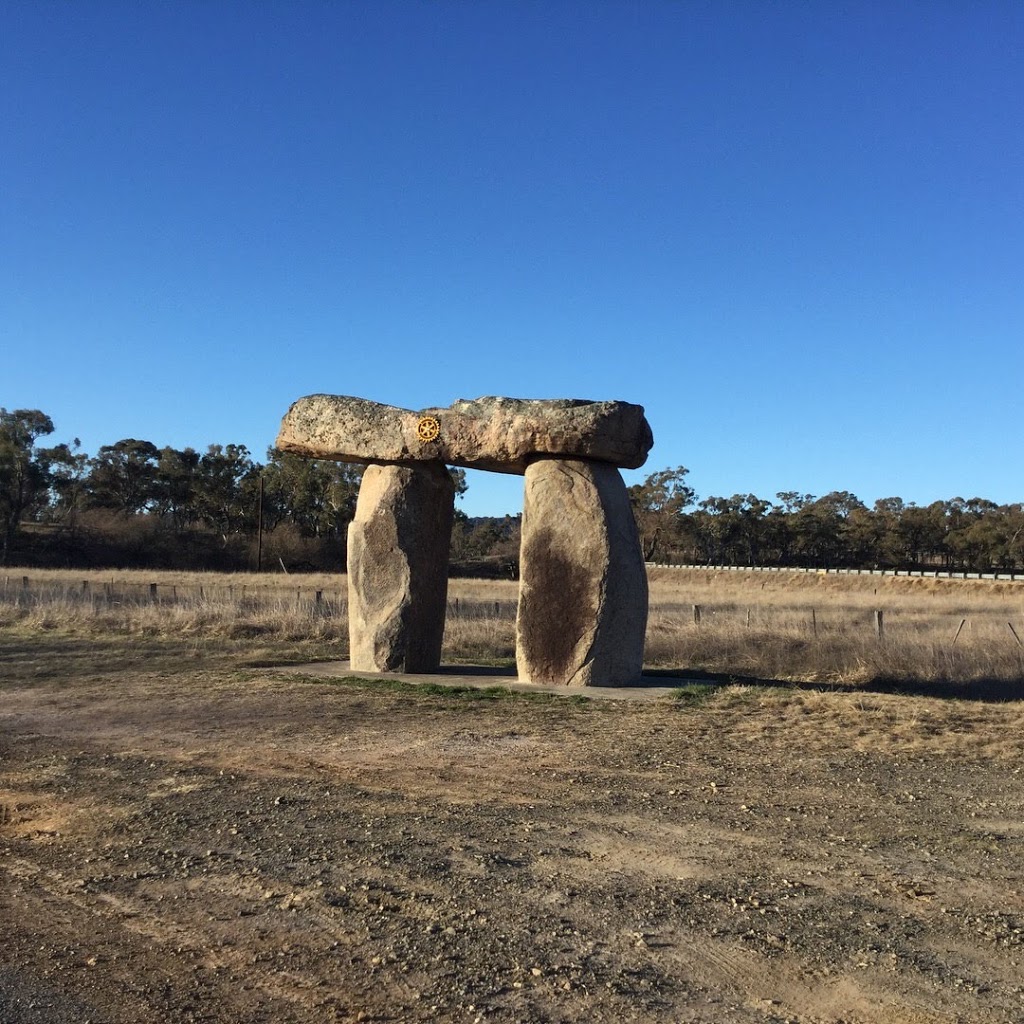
(794, 232)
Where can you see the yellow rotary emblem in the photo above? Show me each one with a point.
(428, 429)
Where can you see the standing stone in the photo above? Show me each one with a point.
(583, 585)
(398, 568)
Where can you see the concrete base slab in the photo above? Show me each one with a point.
(481, 677)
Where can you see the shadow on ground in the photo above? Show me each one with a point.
(986, 690)
(994, 691)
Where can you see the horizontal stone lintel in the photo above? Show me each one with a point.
(502, 435)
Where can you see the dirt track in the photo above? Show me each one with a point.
(184, 840)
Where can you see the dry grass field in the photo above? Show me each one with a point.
(784, 627)
(953, 635)
(192, 831)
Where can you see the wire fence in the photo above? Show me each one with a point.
(26, 592)
(820, 620)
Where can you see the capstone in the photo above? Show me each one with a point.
(498, 434)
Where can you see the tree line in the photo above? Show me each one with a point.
(136, 504)
(133, 503)
(836, 530)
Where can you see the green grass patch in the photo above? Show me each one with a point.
(692, 694)
(484, 660)
(455, 691)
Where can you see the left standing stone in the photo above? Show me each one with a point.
(398, 567)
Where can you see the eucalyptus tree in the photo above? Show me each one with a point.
(316, 496)
(123, 476)
(177, 485)
(823, 528)
(658, 506)
(222, 499)
(24, 472)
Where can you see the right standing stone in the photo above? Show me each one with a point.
(583, 584)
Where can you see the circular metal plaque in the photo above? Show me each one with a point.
(428, 429)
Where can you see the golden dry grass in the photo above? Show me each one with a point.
(780, 626)
(185, 604)
(820, 628)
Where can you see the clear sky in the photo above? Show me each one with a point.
(793, 231)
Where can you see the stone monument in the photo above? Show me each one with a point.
(583, 585)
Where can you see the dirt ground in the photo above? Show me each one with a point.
(185, 836)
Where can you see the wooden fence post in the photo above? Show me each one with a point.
(152, 593)
(956, 636)
(879, 627)
(696, 614)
